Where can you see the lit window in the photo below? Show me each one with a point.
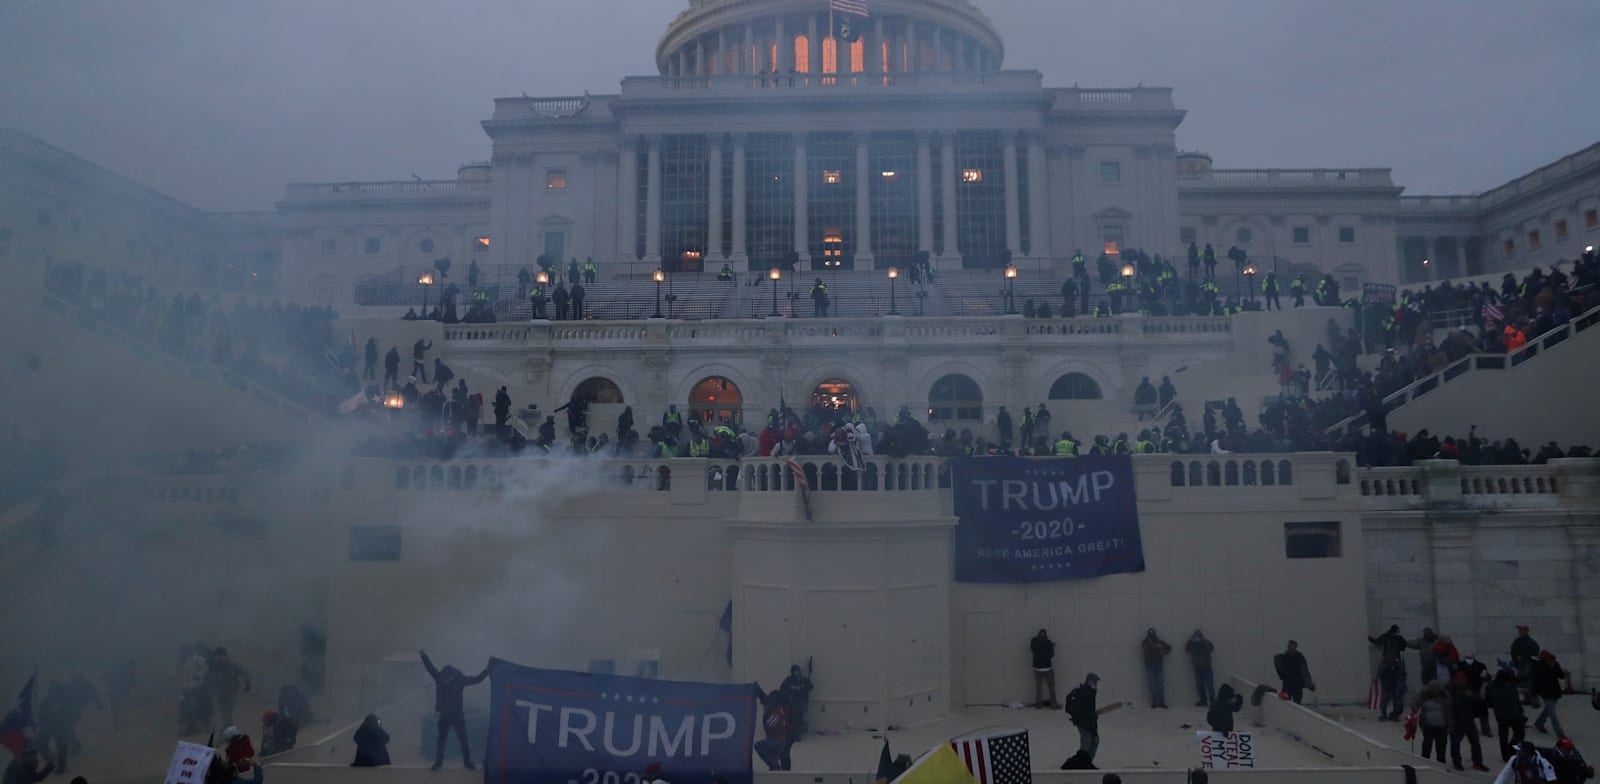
(1110, 171)
(1112, 236)
(1533, 240)
(1302, 235)
(1312, 540)
(373, 245)
(832, 247)
(1591, 219)
(1186, 235)
(426, 245)
(832, 177)
(481, 242)
(555, 180)
(328, 247)
(1561, 229)
(972, 175)
(1511, 248)
(1347, 234)
(890, 176)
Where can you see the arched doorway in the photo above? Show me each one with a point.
(1075, 386)
(955, 397)
(835, 395)
(716, 399)
(598, 390)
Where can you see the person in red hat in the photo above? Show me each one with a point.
(1568, 763)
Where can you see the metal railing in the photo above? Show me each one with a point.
(1461, 367)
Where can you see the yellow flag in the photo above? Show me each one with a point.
(940, 766)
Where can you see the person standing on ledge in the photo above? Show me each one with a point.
(1044, 673)
(1155, 667)
(448, 686)
(1294, 672)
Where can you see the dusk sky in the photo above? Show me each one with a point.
(220, 103)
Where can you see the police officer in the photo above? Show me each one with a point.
(1210, 256)
(1297, 290)
(589, 271)
(563, 299)
(1078, 265)
(1066, 447)
(1269, 289)
(1194, 260)
(578, 293)
(536, 299)
(1069, 292)
(819, 299)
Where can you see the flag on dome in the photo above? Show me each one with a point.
(857, 7)
(847, 16)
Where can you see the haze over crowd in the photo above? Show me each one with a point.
(173, 93)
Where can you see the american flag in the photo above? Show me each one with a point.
(1000, 758)
(1492, 313)
(857, 7)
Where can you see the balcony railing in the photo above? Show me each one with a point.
(1288, 178)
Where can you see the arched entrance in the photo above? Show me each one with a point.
(1075, 386)
(716, 399)
(599, 390)
(955, 397)
(836, 396)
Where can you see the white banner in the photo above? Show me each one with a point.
(1222, 751)
(190, 763)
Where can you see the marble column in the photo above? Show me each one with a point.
(722, 51)
(652, 204)
(628, 198)
(814, 50)
(1038, 198)
(1008, 142)
(1461, 257)
(1585, 554)
(741, 256)
(802, 219)
(1434, 257)
(925, 191)
(714, 209)
(863, 257)
(747, 56)
(875, 48)
(700, 67)
(951, 256)
(785, 62)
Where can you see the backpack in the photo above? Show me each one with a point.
(1433, 715)
(1075, 706)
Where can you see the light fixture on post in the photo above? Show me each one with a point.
(659, 277)
(1250, 274)
(1129, 271)
(774, 275)
(426, 281)
(894, 274)
(1011, 289)
(394, 400)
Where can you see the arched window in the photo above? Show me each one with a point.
(1075, 386)
(955, 397)
(716, 399)
(835, 395)
(598, 390)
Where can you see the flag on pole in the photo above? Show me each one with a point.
(1372, 695)
(17, 728)
(847, 18)
(940, 766)
(1491, 312)
(996, 758)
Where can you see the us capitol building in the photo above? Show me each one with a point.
(762, 135)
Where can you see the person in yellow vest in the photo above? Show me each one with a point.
(589, 270)
(536, 298)
(1066, 447)
(1120, 446)
(1078, 270)
(1145, 445)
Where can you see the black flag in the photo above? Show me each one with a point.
(847, 27)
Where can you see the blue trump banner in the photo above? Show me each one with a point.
(559, 727)
(1025, 520)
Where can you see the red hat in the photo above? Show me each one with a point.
(1459, 677)
(1565, 744)
(1547, 656)
(269, 717)
(1522, 628)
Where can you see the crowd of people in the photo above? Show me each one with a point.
(1459, 693)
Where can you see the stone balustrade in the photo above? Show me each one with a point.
(1447, 483)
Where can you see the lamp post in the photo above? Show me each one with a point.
(1250, 274)
(774, 275)
(659, 277)
(894, 274)
(1011, 289)
(1128, 271)
(543, 279)
(426, 281)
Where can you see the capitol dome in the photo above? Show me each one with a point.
(743, 37)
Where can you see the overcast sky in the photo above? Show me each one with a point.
(220, 102)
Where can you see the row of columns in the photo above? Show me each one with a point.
(754, 50)
(1037, 223)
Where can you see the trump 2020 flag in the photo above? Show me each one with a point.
(561, 726)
